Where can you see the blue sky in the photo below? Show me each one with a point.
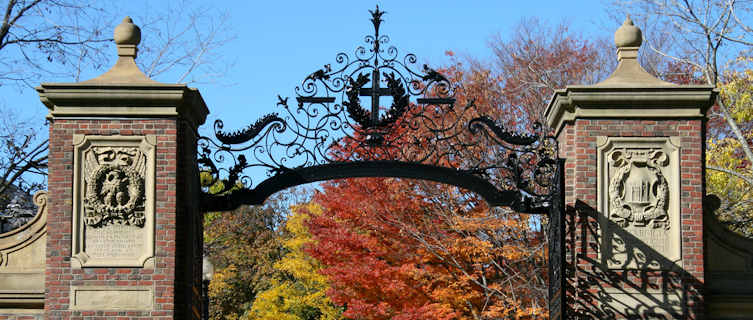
(278, 43)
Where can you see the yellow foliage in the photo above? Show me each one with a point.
(739, 92)
(725, 152)
(219, 286)
(304, 296)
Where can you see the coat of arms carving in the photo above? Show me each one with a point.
(639, 202)
(114, 192)
(638, 191)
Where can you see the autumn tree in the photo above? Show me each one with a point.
(244, 245)
(535, 59)
(300, 292)
(392, 252)
(403, 249)
(731, 170)
(65, 40)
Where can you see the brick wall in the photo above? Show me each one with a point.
(589, 281)
(175, 221)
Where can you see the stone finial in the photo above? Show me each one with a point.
(127, 36)
(629, 73)
(628, 35)
(628, 39)
(127, 32)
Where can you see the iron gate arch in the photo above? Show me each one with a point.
(423, 134)
(327, 134)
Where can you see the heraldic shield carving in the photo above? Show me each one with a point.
(639, 200)
(113, 201)
(638, 191)
(114, 191)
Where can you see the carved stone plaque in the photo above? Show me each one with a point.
(639, 202)
(111, 298)
(113, 222)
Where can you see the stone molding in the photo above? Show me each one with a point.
(644, 232)
(731, 256)
(128, 100)
(112, 298)
(633, 102)
(21, 237)
(22, 260)
(141, 228)
(729, 268)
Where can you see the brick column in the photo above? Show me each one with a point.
(634, 182)
(124, 230)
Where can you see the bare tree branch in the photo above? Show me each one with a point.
(65, 39)
(747, 179)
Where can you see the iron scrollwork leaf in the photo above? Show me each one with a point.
(353, 104)
(250, 132)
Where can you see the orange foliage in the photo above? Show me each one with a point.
(404, 249)
(394, 250)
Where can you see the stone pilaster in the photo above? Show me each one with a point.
(634, 150)
(124, 234)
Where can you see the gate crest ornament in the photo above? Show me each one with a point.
(329, 133)
(114, 191)
(638, 185)
(638, 191)
(113, 200)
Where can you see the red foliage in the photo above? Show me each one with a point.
(372, 264)
(403, 249)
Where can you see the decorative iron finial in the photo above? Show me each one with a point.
(628, 35)
(127, 36)
(376, 19)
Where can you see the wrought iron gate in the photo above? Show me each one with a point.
(325, 133)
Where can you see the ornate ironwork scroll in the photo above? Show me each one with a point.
(326, 133)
